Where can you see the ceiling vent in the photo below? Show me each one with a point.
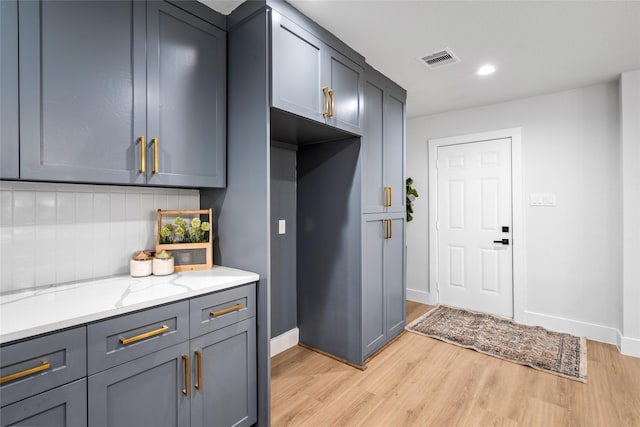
(439, 59)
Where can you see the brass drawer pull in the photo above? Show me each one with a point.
(227, 310)
(387, 201)
(187, 385)
(155, 156)
(42, 367)
(198, 384)
(162, 329)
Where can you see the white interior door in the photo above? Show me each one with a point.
(475, 257)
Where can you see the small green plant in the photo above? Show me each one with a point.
(412, 194)
(181, 231)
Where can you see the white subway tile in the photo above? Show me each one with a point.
(6, 208)
(45, 207)
(118, 207)
(84, 208)
(24, 208)
(101, 207)
(66, 207)
(23, 276)
(132, 206)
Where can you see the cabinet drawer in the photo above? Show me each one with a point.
(215, 311)
(121, 339)
(40, 364)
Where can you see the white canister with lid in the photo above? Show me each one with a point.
(140, 264)
(163, 263)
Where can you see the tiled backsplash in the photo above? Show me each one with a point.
(56, 233)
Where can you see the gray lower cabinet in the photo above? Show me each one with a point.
(149, 391)
(383, 144)
(313, 80)
(383, 289)
(64, 406)
(121, 92)
(9, 89)
(224, 366)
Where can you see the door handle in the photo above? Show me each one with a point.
(502, 242)
(325, 91)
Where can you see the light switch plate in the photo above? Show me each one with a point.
(282, 226)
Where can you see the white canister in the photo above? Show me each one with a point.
(140, 264)
(163, 263)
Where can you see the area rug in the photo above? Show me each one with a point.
(560, 354)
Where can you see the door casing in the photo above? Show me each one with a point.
(517, 214)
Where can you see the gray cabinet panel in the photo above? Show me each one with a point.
(296, 69)
(394, 151)
(105, 348)
(372, 148)
(9, 89)
(64, 352)
(373, 296)
(345, 78)
(226, 391)
(233, 305)
(82, 90)
(144, 392)
(186, 66)
(394, 282)
(64, 406)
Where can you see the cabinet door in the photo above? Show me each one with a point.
(186, 66)
(296, 73)
(373, 299)
(372, 147)
(148, 391)
(394, 274)
(394, 151)
(82, 90)
(64, 406)
(9, 89)
(345, 79)
(225, 388)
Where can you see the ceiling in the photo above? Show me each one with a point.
(537, 47)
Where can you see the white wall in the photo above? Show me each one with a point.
(570, 147)
(56, 233)
(630, 157)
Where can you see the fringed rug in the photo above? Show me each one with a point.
(560, 354)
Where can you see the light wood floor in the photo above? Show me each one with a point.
(419, 381)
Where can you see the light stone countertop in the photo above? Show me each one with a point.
(29, 313)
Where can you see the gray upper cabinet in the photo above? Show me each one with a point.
(9, 89)
(121, 92)
(311, 79)
(383, 144)
(82, 90)
(186, 71)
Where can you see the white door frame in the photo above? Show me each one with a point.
(517, 213)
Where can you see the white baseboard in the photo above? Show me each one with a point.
(592, 331)
(628, 346)
(285, 341)
(421, 297)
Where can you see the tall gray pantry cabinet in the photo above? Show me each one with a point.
(9, 89)
(121, 92)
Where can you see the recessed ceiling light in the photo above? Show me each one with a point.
(485, 70)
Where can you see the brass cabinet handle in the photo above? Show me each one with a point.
(333, 104)
(390, 228)
(227, 310)
(187, 385)
(142, 152)
(42, 367)
(163, 328)
(386, 197)
(325, 91)
(390, 196)
(198, 384)
(155, 155)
